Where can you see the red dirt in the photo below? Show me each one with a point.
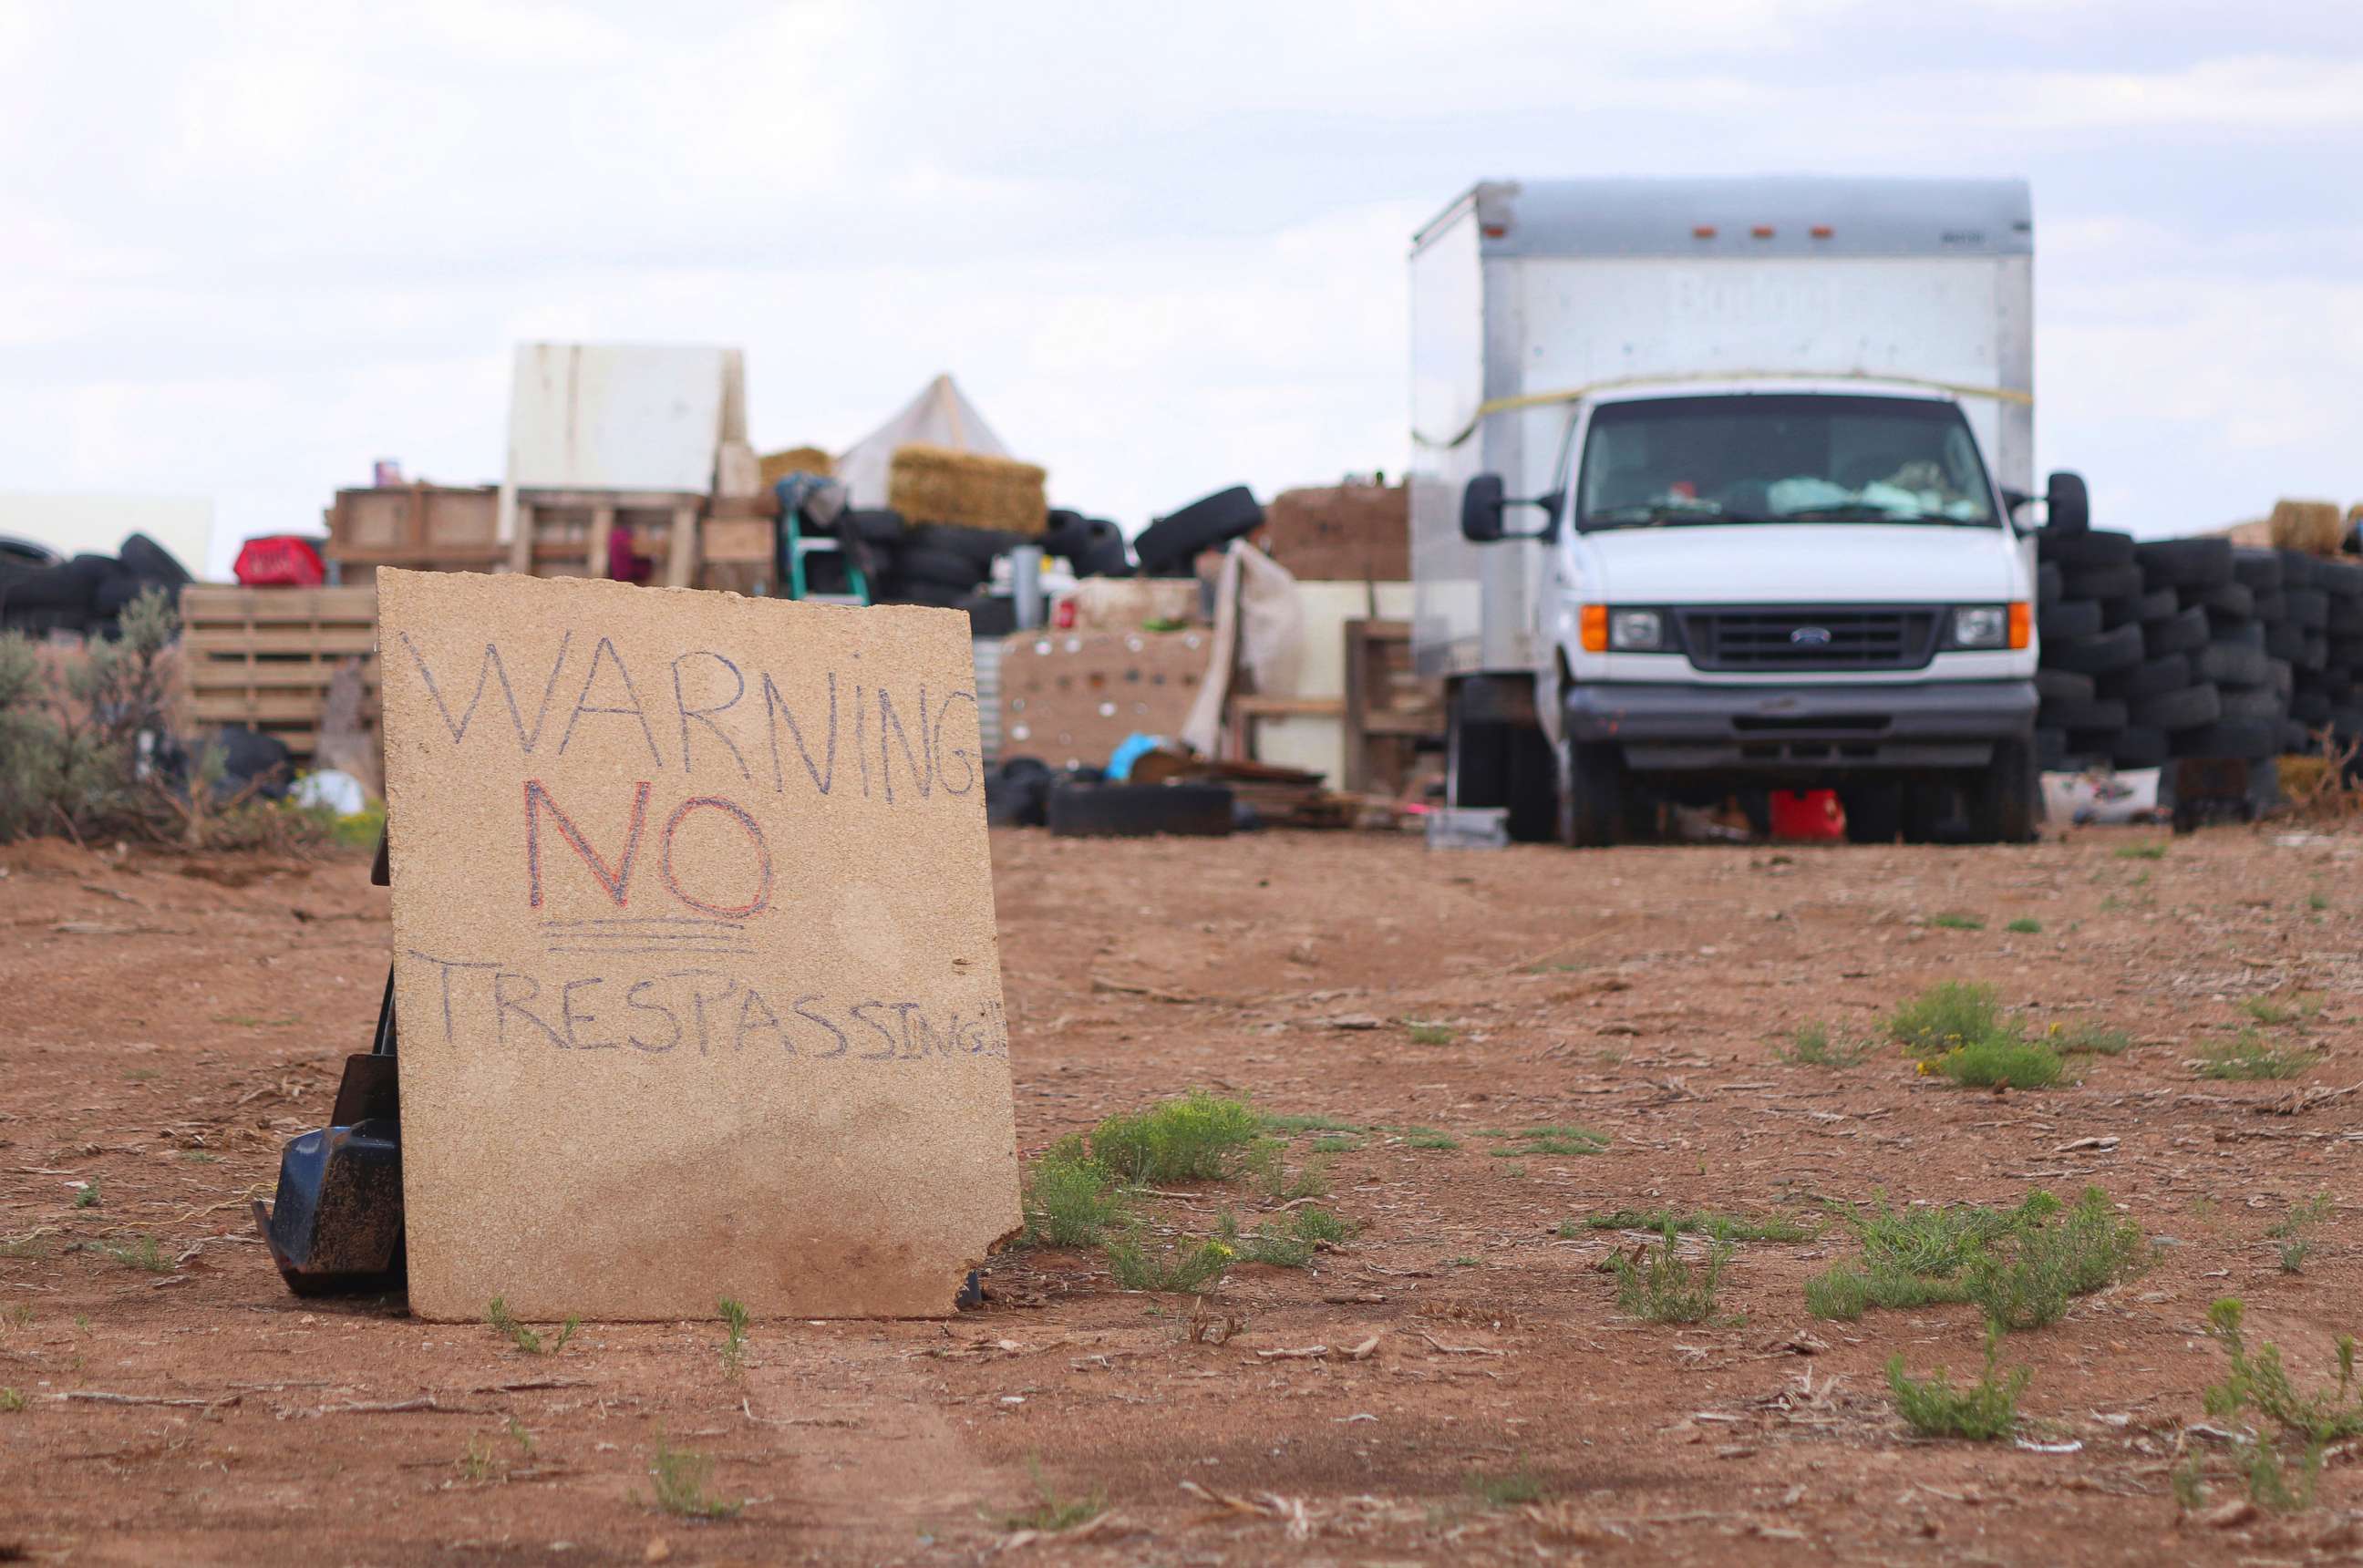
(166, 1023)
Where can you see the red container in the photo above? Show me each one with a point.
(1809, 816)
(280, 560)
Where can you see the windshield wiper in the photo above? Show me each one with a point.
(1654, 513)
(1864, 512)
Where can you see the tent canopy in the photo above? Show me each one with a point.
(941, 416)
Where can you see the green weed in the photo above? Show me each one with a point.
(143, 1254)
(496, 1313)
(11, 1401)
(1814, 1046)
(1183, 1266)
(2001, 1062)
(2017, 1265)
(1953, 920)
(1051, 1513)
(1553, 1139)
(1308, 1124)
(1507, 1489)
(1431, 1034)
(2029, 1284)
(1671, 1289)
(1335, 1145)
(2301, 1006)
(1700, 1221)
(1071, 1199)
(2308, 1422)
(2153, 851)
(2025, 926)
(476, 1464)
(199, 1157)
(733, 1342)
(1947, 1016)
(1199, 1137)
(1291, 1243)
(679, 1478)
(2088, 1038)
(1983, 1411)
(88, 1197)
(2317, 902)
(1429, 1137)
(2250, 1059)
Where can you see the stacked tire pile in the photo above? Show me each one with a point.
(2326, 693)
(936, 564)
(2173, 649)
(87, 594)
(1171, 546)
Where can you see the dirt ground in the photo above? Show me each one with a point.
(167, 1023)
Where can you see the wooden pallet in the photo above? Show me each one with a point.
(263, 656)
(563, 533)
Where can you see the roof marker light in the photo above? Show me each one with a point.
(1822, 231)
(1762, 231)
(1703, 231)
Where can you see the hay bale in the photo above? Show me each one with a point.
(2314, 527)
(796, 459)
(967, 490)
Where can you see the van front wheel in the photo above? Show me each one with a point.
(1591, 796)
(2004, 802)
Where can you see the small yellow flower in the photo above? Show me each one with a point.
(1924, 1069)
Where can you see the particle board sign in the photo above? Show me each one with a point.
(1071, 697)
(695, 954)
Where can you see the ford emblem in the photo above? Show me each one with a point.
(1811, 637)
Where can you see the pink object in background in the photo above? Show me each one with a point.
(385, 473)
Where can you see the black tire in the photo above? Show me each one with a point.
(2149, 678)
(2098, 655)
(1874, 811)
(2233, 667)
(2100, 712)
(937, 567)
(2307, 609)
(2085, 747)
(1171, 543)
(2296, 739)
(2272, 608)
(71, 586)
(2050, 583)
(2075, 552)
(2186, 563)
(1109, 559)
(2254, 702)
(2186, 709)
(2300, 570)
(118, 593)
(2004, 802)
(2259, 570)
(2346, 616)
(2137, 746)
(37, 621)
(1017, 800)
(935, 596)
(1139, 811)
(2225, 598)
(2050, 750)
(2309, 707)
(2115, 613)
(1592, 798)
(872, 525)
(2231, 738)
(2283, 641)
(2063, 686)
(980, 546)
(988, 616)
(1071, 533)
(2104, 583)
(2316, 655)
(143, 557)
(2185, 631)
(2236, 631)
(2069, 617)
(2339, 579)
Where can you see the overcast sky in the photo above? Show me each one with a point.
(251, 247)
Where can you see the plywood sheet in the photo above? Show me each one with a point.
(699, 988)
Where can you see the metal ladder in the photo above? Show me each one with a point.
(796, 548)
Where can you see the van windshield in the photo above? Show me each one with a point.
(1794, 458)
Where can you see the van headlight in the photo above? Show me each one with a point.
(1637, 632)
(1981, 626)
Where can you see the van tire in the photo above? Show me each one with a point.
(1139, 811)
(2004, 802)
(1874, 812)
(1591, 796)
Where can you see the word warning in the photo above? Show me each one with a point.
(694, 955)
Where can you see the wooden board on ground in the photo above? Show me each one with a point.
(695, 957)
(1070, 697)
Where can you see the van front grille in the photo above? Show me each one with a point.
(1807, 638)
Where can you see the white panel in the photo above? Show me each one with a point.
(615, 417)
(1448, 383)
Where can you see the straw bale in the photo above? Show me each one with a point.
(938, 484)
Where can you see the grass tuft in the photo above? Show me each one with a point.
(11, 1401)
(2307, 1423)
(1289, 1244)
(733, 1342)
(1071, 1199)
(2300, 1008)
(1183, 1266)
(1506, 1489)
(143, 1254)
(1814, 1046)
(1198, 1138)
(1431, 1034)
(1669, 1289)
(1700, 1221)
(2030, 1281)
(1947, 1016)
(2001, 1062)
(2087, 1038)
(1273, 1123)
(1429, 1137)
(2016, 1265)
(497, 1314)
(1049, 1513)
(2025, 926)
(2153, 851)
(680, 1477)
(1558, 1138)
(88, 1197)
(2251, 1059)
(1953, 920)
(1983, 1411)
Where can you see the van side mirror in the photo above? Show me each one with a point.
(2069, 509)
(1481, 504)
(1480, 510)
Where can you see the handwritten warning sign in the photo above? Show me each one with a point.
(697, 980)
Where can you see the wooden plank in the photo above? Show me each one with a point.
(314, 639)
(680, 563)
(521, 543)
(206, 605)
(228, 675)
(289, 708)
(603, 522)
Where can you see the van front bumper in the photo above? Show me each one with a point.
(1803, 729)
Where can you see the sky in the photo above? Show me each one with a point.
(251, 246)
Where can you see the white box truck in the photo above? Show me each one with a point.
(1716, 489)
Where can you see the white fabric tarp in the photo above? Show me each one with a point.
(941, 416)
(1259, 641)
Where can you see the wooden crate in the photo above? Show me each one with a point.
(563, 533)
(1388, 708)
(263, 656)
(1072, 696)
(430, 527)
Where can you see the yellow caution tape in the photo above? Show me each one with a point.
(1576, 393)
